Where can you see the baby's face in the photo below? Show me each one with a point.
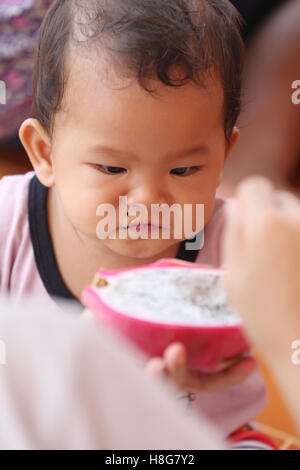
(110, 142)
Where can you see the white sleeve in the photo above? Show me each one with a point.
(66, 384)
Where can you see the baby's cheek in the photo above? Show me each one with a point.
(81, 210)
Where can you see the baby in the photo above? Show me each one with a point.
(132, 98)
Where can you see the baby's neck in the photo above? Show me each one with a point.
(78, 258)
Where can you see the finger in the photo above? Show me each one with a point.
(238, 373)
(254, 198)
(288, 205)
(257, 198)
(155, 367)
(260, 189)
(176, 363)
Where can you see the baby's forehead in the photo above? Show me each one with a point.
(105, 110)
(93, 81)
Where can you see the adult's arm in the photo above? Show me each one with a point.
(261, 252)
(70, 385)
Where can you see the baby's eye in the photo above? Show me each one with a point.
(110, 170)
(185, 171)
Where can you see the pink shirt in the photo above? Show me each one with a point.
(28, 267)
(18, 270)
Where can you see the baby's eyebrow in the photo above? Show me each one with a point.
(113, 152)
(191, 151)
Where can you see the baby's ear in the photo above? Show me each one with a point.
(229, 147)
(232, 142)
(37, 144)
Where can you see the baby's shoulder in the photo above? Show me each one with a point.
(215, 226)
(210, 252)
(14, 192)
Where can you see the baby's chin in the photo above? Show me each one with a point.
(143, 249)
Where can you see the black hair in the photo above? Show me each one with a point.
(148, 38)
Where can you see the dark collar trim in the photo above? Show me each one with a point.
(42, 242)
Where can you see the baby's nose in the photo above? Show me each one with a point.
(147, 195)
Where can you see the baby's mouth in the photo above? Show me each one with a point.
(140, 227)
(143, 228)
(143, 225)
